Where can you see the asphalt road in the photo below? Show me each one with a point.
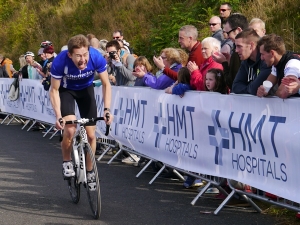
(33, 192)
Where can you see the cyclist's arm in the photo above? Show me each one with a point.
(55, 100)
(106, 91)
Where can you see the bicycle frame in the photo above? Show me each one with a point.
(79, 154)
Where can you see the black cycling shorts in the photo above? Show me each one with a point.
(85, 100)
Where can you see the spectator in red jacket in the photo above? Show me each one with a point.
(187, 39)
(209, 46)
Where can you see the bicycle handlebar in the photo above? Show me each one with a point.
(84, 121)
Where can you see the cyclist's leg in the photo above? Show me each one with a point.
(68, 113)
(90, 131)
(87, 107)
(68, 134)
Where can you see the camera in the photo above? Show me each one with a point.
(112, 54)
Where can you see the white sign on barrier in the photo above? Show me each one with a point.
(249, 139)
(245, 138)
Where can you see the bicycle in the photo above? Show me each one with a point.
(80, 149)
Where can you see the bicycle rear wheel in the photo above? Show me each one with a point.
(94, 196)
(73, 185)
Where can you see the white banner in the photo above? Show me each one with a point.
(34, 101)
(245, 138)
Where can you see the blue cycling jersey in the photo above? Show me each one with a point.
(71, 77)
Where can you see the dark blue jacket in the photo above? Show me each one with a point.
(250, 76)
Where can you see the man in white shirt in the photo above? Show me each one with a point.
(285, 66)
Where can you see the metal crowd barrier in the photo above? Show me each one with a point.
(260, 195)
(211, 180)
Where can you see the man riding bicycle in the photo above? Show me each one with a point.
(72, 75)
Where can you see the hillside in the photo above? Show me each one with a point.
(148, 25)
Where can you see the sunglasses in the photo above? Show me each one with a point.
(212, 24)
(229, 31)
(223, 10)
(116, 37)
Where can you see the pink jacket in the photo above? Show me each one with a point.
(198, 76)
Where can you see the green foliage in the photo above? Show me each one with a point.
(148, 25)
(165, 33)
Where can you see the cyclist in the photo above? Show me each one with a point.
(72, 75)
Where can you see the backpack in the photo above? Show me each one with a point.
(3, 72)
(14, 90)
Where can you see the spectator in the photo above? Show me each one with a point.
(187, 39)
(22, 62)
(215, 81)
(253, 71)
(90, 36)
(182, 84)
(215, 28)
(42, 55)
(119, 74)
(45, 44)
(183, 55)
(141, 66)
(95, 43)
(48, 54)
(171, 59)
(231, 63)
(259, 26)
(8, 65)
(118, 35)
(128, 62)
(63, 48)
(30, 71)
(285, 66)
(102, 44)
(209, 46)
(45, 72)
(226, 44)
(225, 11)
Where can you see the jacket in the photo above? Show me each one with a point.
(8, 66)
(250, 76)
(180, 88)
(198, 76)
(123, 75)
(163, 81)
(218, 35)
(230, 70)
(195, 55)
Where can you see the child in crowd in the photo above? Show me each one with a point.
(215, 81)
(182, 84)
(141, 67)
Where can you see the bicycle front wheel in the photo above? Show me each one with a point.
(73, 185)
(94, 195)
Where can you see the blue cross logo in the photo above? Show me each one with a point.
(218, 137)
(160, 127)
